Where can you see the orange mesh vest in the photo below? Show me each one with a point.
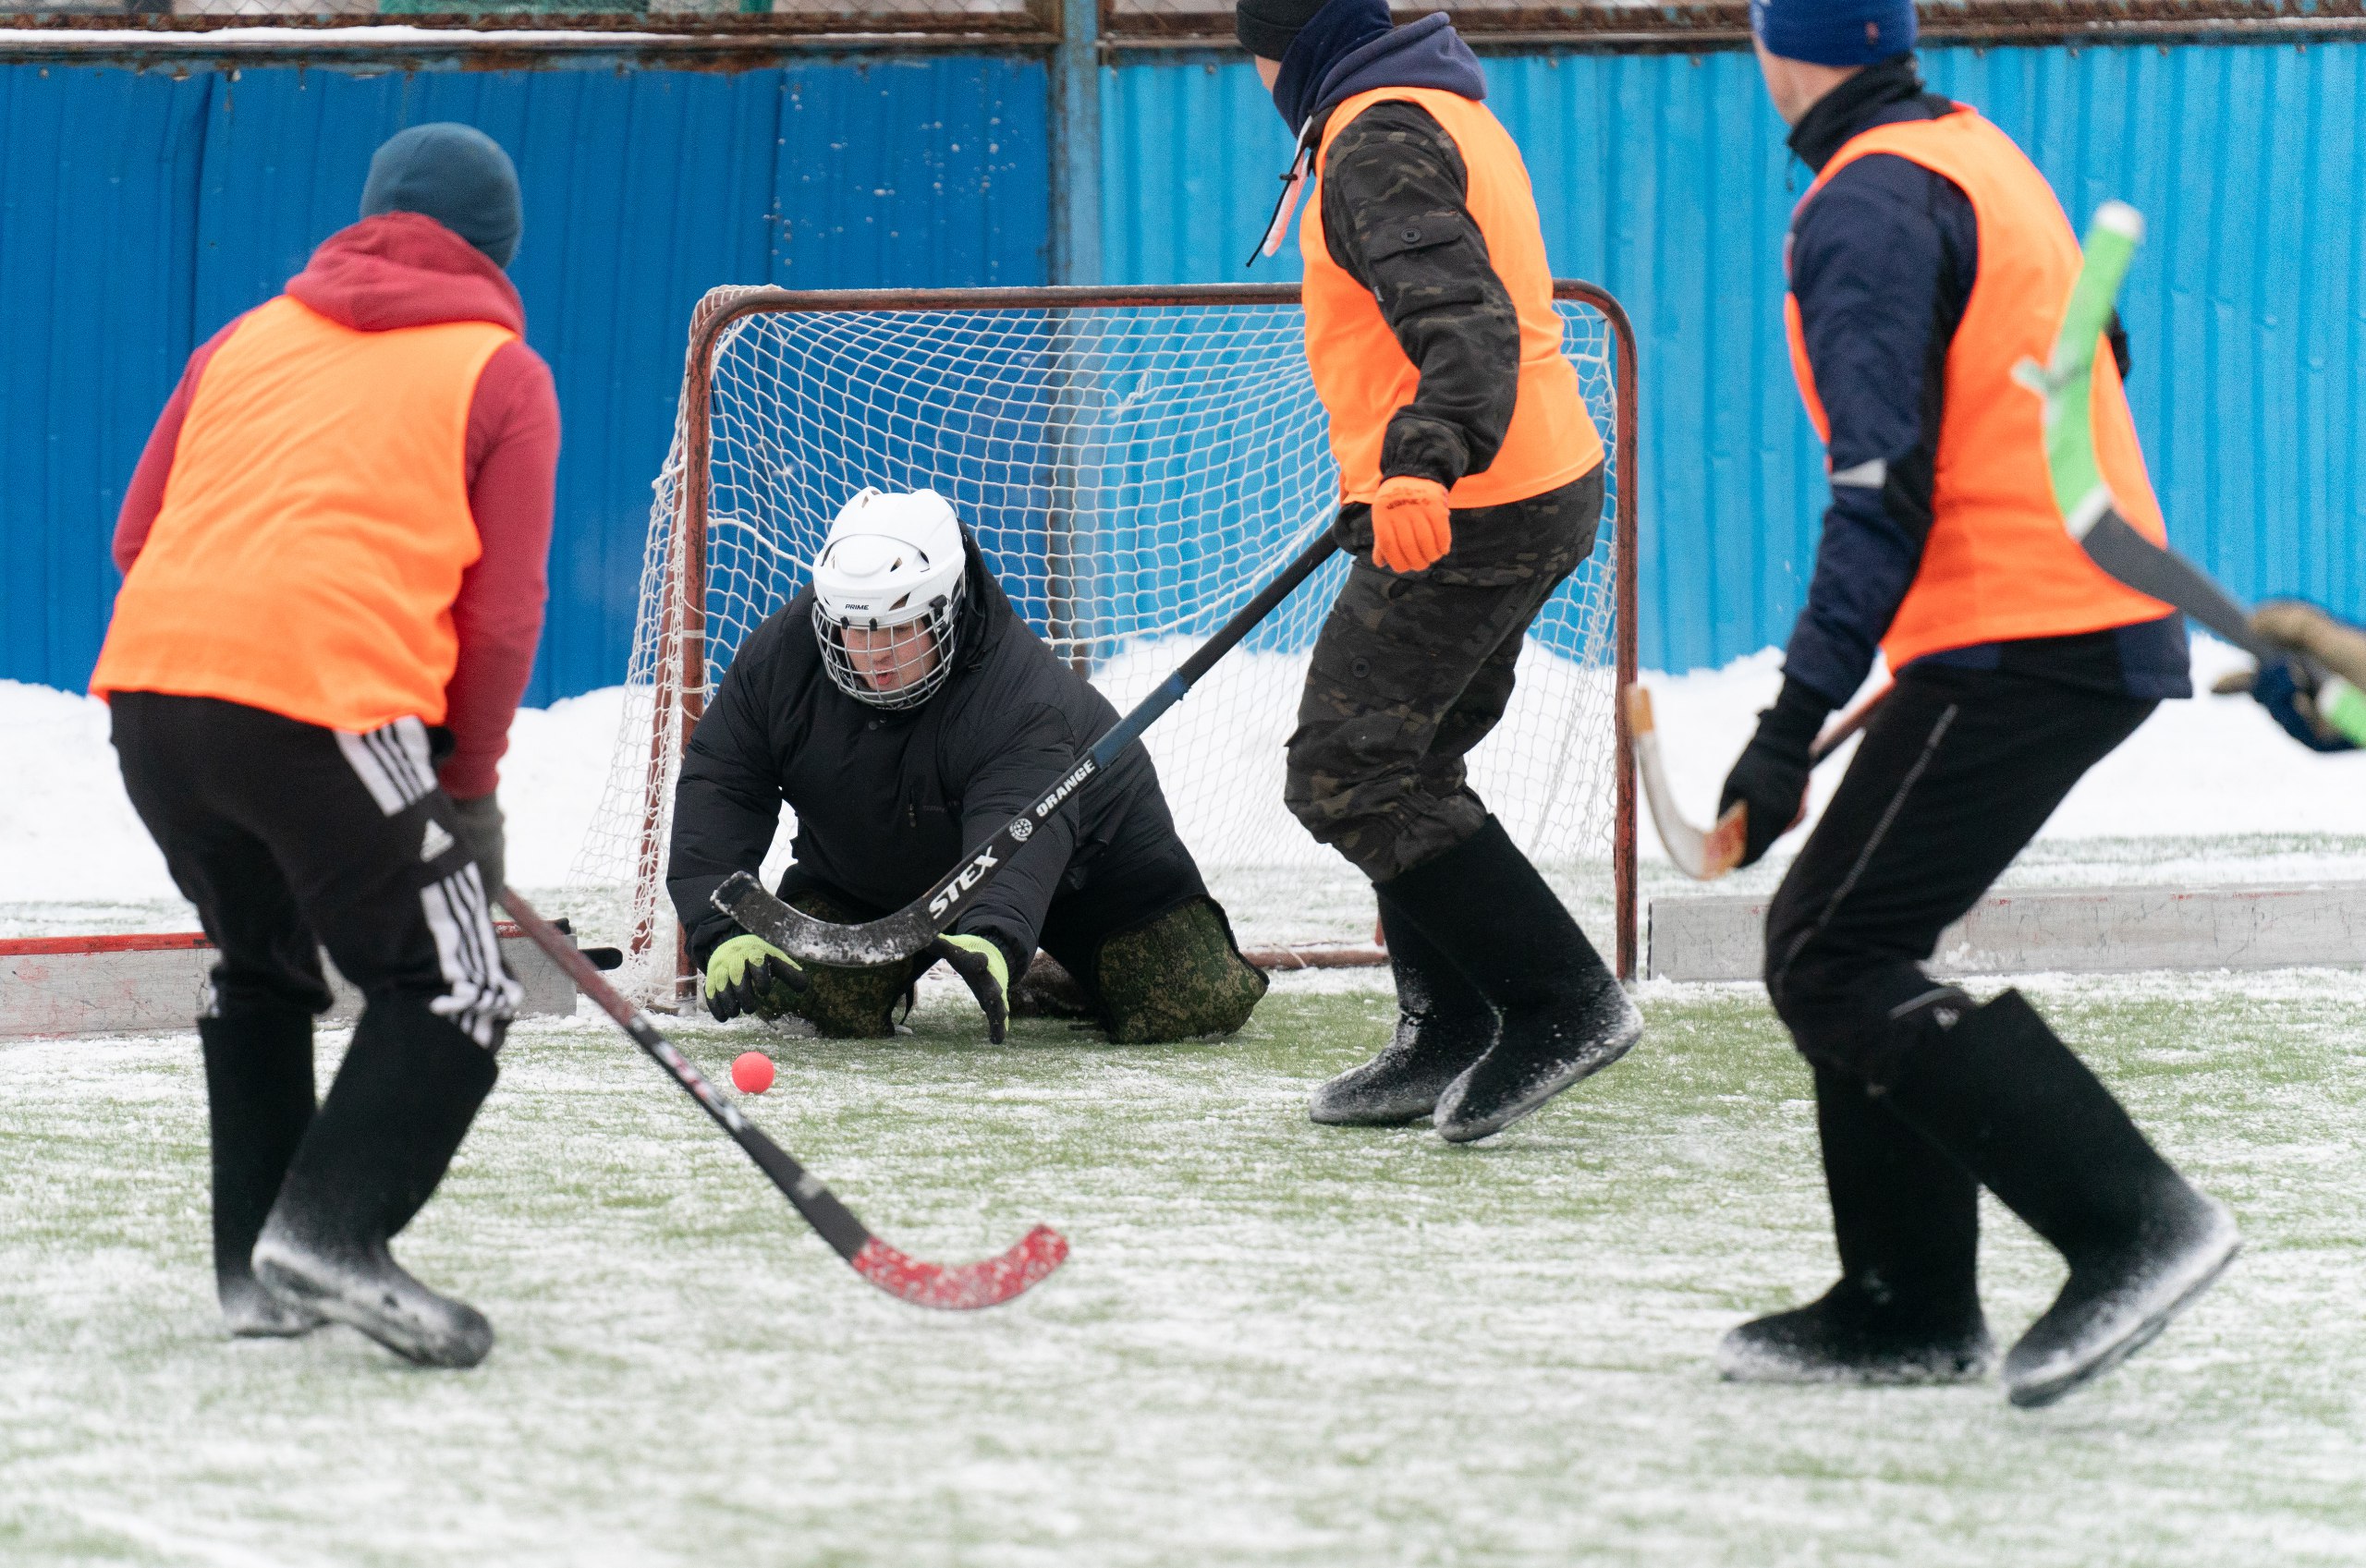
(1998, 565)
(1362, 373)
(314, 527)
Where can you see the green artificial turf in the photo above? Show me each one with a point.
(1274, 1342)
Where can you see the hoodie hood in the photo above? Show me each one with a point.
(1350, 47)
(406, 269)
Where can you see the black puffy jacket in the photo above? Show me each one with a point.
(887, 802)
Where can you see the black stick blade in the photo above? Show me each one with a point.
(800, 936)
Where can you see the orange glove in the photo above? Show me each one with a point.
(1409, 525)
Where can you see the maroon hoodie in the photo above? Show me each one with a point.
(403, 269)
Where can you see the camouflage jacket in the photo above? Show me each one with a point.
(1394, 171)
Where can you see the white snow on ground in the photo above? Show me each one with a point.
(71, 836)
(2209, 767)
(2208, 790)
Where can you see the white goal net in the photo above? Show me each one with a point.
(1135, 465)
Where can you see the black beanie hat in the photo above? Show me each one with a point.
(458, 176)
(1267, 27)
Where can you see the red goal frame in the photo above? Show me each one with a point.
(681, 680)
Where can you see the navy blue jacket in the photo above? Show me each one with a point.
(1882, 263)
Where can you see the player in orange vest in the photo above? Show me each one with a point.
(1928, 257)
(1471, 484)
(334, 552)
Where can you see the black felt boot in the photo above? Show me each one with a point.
(2007, 1099)
(1442, 1025)
(258, 1102)
(1561, 1013)
(411, 1085)
(1907, 1218)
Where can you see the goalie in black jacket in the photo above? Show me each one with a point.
(904, 713)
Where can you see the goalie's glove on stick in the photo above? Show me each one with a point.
(1412, 526)
(1769, 778)
(983, 968)
(749, 975)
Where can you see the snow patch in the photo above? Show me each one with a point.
(2169, 804)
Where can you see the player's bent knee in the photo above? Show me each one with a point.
(849, 1003)
(1176, 978)
(854, 1004)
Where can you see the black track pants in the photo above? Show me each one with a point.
(1956, 774)
(1410, 672)
(289, 838)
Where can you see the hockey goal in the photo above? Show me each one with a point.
(1135, 464)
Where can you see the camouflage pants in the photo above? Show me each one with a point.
(1410, 672)
(1173, 976)
(848, 1004)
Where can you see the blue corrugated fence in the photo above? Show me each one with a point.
(1664, 177)
(120, 252)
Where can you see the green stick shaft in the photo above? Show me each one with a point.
(2089, 510)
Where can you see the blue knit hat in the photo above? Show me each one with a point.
(1833, 33)
(458, 176)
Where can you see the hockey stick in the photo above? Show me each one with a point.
(905, 932)
(2089, 510)
(1705, 856)
(958, 1288)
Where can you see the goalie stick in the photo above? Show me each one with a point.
(905, 932)
(956, 1288)
(2089, 510)
(1705, 856)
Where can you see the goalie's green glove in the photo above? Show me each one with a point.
(747, 974)
(980, 964)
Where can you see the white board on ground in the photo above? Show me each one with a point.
(2055, 931)
(57, 988)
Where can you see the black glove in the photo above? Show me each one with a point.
(1771, 778)
(481, 824)
(979, 961)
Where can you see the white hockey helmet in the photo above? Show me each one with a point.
(892, 564)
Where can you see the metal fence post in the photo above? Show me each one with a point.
(1075, 145)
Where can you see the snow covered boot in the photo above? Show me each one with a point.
(258, 1102)
(1907, 1218)
(411, 1085)
(1442, 1025)
(1561, 1013)
(2007, 1099)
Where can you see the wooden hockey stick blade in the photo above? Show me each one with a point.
(1704, 856)
(948, 1287)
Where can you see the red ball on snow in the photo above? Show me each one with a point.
(752, 1073)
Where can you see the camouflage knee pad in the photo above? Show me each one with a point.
(849, 1003)
(1177, 977)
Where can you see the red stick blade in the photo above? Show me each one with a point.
(963, 1287)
